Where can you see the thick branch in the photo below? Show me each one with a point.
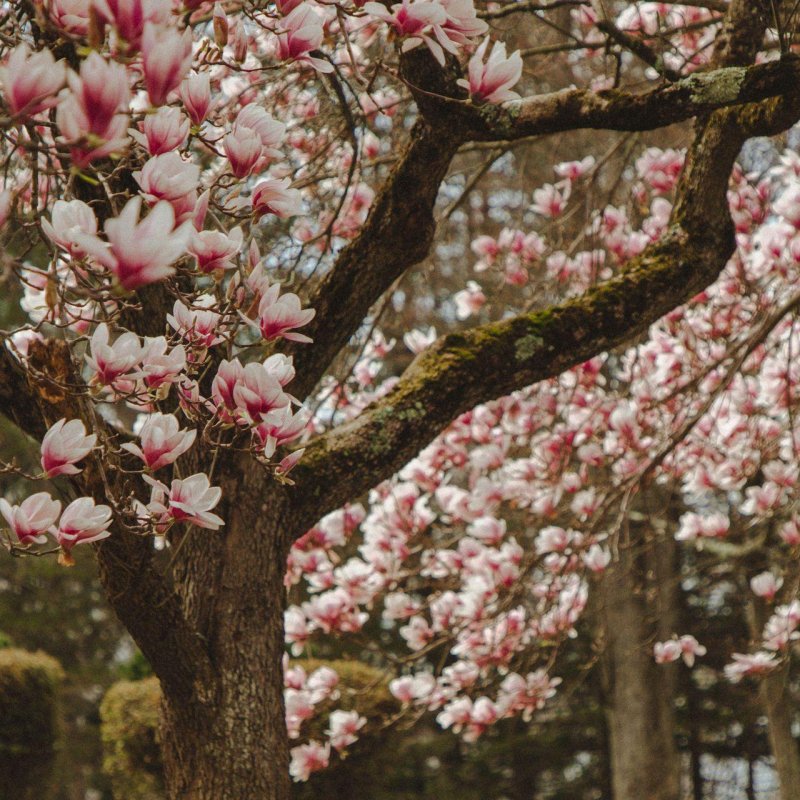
(460, 371)
(613, 109)
(397, 235)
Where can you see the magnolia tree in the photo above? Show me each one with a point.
(207, 210)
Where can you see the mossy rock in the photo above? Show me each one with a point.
(129, 729)
(29, 684)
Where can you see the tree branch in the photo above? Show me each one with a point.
(398, 233)
(613, 109)
(461, 370)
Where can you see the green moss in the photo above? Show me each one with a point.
(129, 729)
(29, 684)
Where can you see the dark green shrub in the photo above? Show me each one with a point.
(29, 723)
(29, 684)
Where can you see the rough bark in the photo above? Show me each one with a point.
(780, 709)
(636, 596)
(230, 740)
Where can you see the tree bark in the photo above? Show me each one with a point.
(644, 758)
(228, 741)
(780, 711)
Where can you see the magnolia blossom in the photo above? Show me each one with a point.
(188, 500)
(278, 314)
(417, 340)
(766, 585)
(162, 366)
(343, 728)
(162, 440)
(32, 518)
(72, 16)
(164, 131)
(215, 249)
(469, 301)
(140, 252)
(417, 23)
(491, 82)
(273, 196)
(308, 758)
(686, 647)
(30, 81)
(109, 362)
(195, 93)
(63, 445)
(243, 148)
(166, 58)
(299, 33)
(81, 523)
(745, 664)
(199, 324)
(168, 177)
(91, 115)
(129, 17)
(69, 217)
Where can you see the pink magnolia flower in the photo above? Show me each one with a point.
(279, 314)
(288, 463)
(256, 393)
(81, 523)
(110, 362)
(462, 22)
(343, 728)
(91, 115)
(299, 33)
(160, 365)
(269, 129)
(469, 301)
(72, 16)
(30, 81)
(199, 324)
(414, 22)
(766, 585)
(32, 518)
(164, 131)
(745, 664)
(280, 427)
(229, 374)
(139, 253)
(276, 197)
(215, 249)
(550, 200)
(491, 82)
(417, 340)
(168, 177)
(67, 218)
(308, 758)
(162, 440)
(196, 96)
(166, 58)
(243, 148)
(130, 16)
(63, 445)
(188, 500)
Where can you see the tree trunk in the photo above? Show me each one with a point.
(644, 759)
(779, 708)
(228, 741)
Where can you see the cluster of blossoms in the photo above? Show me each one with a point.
(485, 546)
(179, 163)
